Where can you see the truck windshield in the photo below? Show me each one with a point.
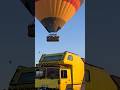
(49, 73)
(52, 73)
(54, 57)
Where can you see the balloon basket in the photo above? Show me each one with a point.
(31, 30)
(52, 38)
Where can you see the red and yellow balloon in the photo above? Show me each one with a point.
(53, 14)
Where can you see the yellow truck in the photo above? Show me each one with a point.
(62, 71)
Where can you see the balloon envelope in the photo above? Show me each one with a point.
(53, 14)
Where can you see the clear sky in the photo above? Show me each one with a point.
(72, 37)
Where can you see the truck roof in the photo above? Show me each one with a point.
(58, 53)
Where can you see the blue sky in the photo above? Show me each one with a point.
(72, 37)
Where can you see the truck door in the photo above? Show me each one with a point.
(65, 79)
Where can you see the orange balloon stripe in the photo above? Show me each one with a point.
(67, 8)
(69, 11)
(75, 3)
(50, 6)
(41, 7)
(59, 3)
(54, 6)
(78, 4)
(63, 5)
(63, 9)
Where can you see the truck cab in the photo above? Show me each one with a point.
(60, 72)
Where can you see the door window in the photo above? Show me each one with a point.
(70, 57)
(63, 73)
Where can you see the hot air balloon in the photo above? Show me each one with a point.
(53, 14)
(30, 5)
